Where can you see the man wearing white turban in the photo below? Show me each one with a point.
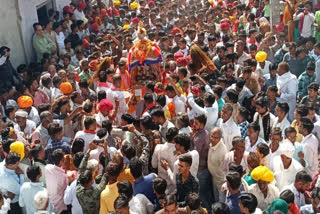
(284, 166)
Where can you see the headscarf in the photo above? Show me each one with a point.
(68, 9)
(195, 90)
(287, 148)
(278, 205)
(182, 61)
(280, 27)
(85, 44)
(66, 88)
(135, 20)
(126, 27)
(151, 3)
(103, 13)
(94, 27)
(85, 20)
(21, 113)
(82, 5)
(18, 147)
(105, 105)
(261, 56)
(134, 5)
(116, 3)
(262, 173)
(177, 55)
(159, 89)
(224, 25)
(175, 30)
(25, 102)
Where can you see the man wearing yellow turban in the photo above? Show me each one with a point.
(134, 6)
(263, 64)
(18, 147)
(116, 3)
(261, 56)
(126, 27)
(263, 189)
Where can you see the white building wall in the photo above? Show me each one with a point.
(10, 35)
(16, 31)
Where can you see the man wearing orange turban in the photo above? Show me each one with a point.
(66, 88)
(25, 103)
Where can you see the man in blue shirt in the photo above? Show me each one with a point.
(30, 189)
(233, 184)
(142, 184)
(12, 178)
(56, 141)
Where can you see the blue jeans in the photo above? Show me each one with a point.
(206, 189)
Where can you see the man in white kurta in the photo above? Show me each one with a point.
(310, 145)
(287, 84)
(165, 152)
(284, 171)
(228, 127)
(23, 126)
(123, 107)
(264, 202)
(87, 137)
(264, 190)
(179, 104)
(281, 121)
(34, 115)
(216, 154)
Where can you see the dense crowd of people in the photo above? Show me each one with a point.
(164, 107)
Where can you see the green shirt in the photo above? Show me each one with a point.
(266, 10)
(84, 76)
(89, 199)
(249, 179)
(304, 81)
(220, 104)
(42, 45)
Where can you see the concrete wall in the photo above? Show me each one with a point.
(9, 31)
(16, 20)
